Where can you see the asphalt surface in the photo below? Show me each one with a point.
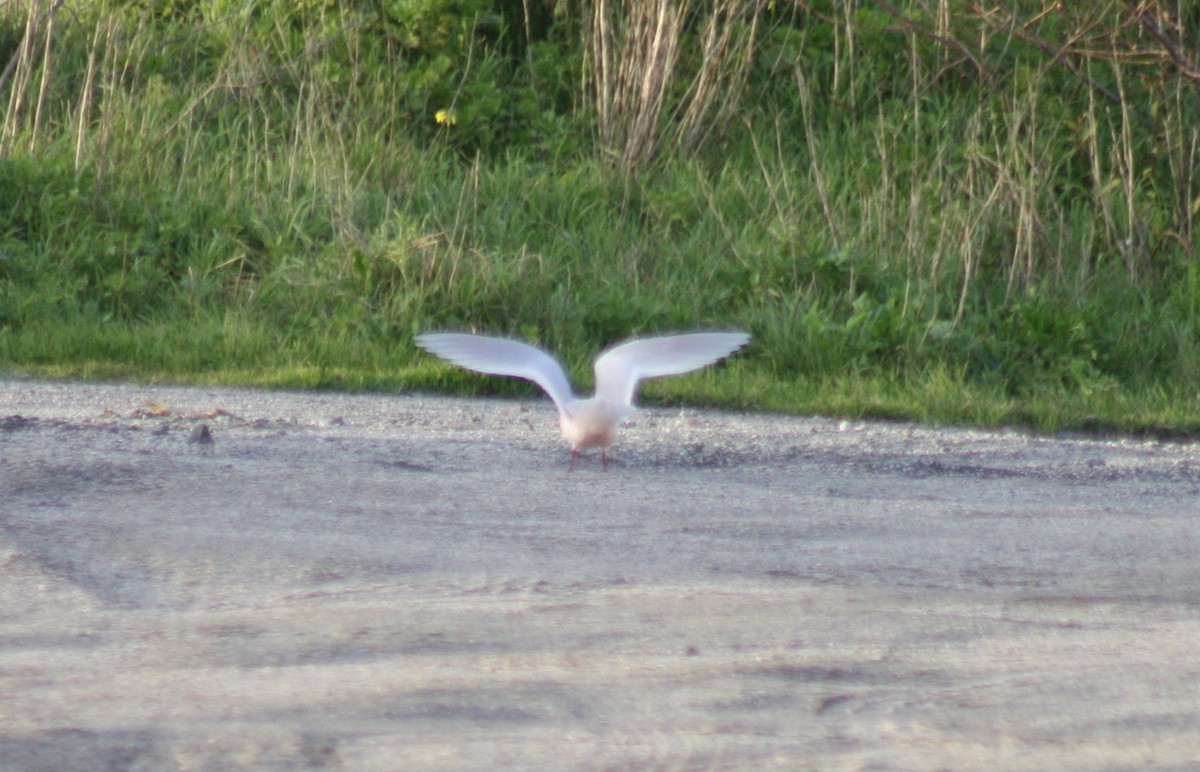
(326, 581)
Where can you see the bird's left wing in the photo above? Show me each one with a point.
(501, 356)
(619, 369)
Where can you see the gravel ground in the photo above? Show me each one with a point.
(319, 580)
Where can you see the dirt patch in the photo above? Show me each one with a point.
(367, 582)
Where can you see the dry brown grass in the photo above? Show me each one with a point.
(634, 51)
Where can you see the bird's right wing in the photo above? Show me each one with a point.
(619, 369)
(501, 356)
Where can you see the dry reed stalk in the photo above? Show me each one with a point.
(729, 36)
(633, 50)
(18, 71)
(633, 54)
(18, 74)
(804, 92)
(83, 114)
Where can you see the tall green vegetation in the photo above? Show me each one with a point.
(934, 209)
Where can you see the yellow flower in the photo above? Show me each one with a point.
(445, 117)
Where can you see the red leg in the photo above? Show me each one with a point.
(571, 463)
(604, 459)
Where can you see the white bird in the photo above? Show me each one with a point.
(587, 423)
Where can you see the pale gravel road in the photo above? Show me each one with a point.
(407, 582)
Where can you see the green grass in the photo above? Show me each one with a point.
(276, 206)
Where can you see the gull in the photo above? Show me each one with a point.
(592, 422)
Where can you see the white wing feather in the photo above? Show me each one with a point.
(501, 356)
(619, 369)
